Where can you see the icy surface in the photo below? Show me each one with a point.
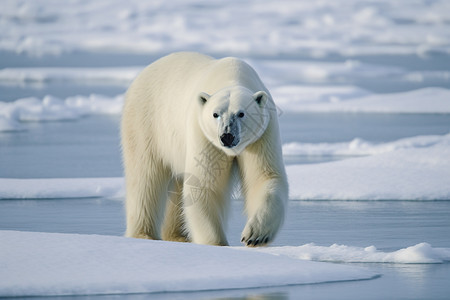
(42, 264)
(415, 168)
(278, 27)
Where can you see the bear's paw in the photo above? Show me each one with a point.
(259, 231)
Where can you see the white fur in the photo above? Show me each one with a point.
(177, 114)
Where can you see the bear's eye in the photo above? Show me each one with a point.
(215, 115)
(241, 115)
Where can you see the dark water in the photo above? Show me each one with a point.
(89, 147)
(388, 225)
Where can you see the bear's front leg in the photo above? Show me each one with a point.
(205, 196)
(205, 213)
(265, 189)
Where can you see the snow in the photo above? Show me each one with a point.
(421, 253)
(44, 264)
(278, 27)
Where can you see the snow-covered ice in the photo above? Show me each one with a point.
(44, 264)
(407, 174)
(275, 27)
(61, 188)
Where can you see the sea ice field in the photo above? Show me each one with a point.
(363, 95)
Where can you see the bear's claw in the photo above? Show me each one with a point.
(255, 242)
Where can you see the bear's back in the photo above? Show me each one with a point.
(161, 103)
(182, 75)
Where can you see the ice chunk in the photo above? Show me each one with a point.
(421, 253)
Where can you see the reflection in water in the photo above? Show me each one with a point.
(239, 294)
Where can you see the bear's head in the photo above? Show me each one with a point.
(233, 118)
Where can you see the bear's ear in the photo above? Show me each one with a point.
(261, 98)
(203, 98)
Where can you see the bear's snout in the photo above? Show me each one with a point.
(227, 140)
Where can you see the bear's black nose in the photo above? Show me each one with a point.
(227, 139)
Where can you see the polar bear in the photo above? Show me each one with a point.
(189, 123)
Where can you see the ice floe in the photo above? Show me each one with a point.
(46, 264)
(407, 174)
(61, 188)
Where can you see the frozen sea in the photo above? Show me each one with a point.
(365, 125)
